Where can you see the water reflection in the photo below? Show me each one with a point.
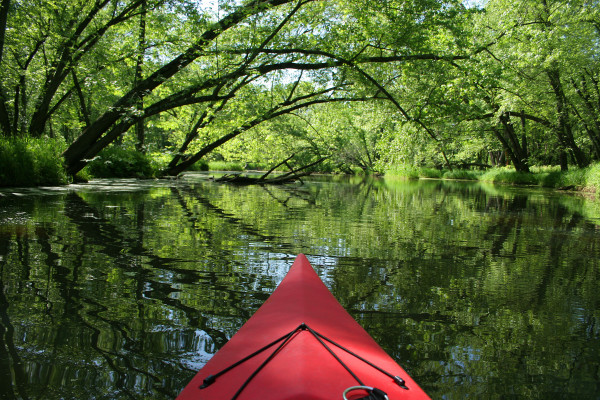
(123, 289)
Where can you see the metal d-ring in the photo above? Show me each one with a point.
(353, 388)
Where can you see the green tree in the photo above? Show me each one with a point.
(512, 78)
(539, 46)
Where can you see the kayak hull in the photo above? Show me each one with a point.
(304, 367)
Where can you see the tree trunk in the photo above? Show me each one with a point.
(564, 129)
(85, 115)
(61, 68)
(524, 135)
(494, 157)
(591, 108)
(184, 146)
(188, 162)
(276, 111)
(3, 19)
(562, 159)
(511, 143)
(5, 124)
(203, 121)
(121, 108)
(140, 124)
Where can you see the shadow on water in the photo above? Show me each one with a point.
(124, 288)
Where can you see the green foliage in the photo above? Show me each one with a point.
(16, 162)
(448, 94)
(82, 176)
(551, 177)
(575, 177)
(461, 174)
(509, 176)
(257, 166)
(31, 162)
(431, 173)
(593, 177)
(201, 165)
(225, 166)
(159, 160)
(413, 172)
(579, 178)
(405, 171)
(118, 162)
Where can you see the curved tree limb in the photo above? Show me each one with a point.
(121, 108)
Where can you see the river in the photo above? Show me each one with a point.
(122, 289)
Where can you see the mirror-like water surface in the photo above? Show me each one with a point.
(123, 289)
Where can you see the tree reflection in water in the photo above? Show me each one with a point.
(123, 289)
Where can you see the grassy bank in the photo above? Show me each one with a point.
(225, 166)
(587, 179)
(31, 162)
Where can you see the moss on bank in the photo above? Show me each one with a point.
(587, 179)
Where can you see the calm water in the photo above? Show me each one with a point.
(123, 289)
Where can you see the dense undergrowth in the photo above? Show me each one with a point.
(31, 162)
(38, 162)
(550, 177)
(117, 162)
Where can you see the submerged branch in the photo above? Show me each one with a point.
(289, 177)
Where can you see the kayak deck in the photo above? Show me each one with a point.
(310, 361)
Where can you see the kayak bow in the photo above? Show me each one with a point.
(301, 345)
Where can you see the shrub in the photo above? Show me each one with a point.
(159, 160)
(256, 166)
(510, 176)
(200, 165)
(225, 166)
(16, 163)
(550, 179)
(48, 161)
(546, 176)
(430, 173)
(461, 174)
(117, 162)
(406, 171)
(574, 177)
(31, 162)
(593, 177)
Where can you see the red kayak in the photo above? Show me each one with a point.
(301, 345)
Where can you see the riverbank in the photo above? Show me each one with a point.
(577, 179)
(31, 162)
(38, 162)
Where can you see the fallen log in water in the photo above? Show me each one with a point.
(292, 176)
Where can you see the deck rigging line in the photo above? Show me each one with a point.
(374, 393)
